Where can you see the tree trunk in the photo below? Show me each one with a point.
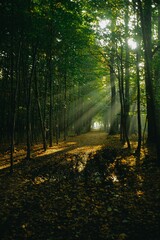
(113, 128)
(145, 15)
(45, 106)
(57, 112)
(51, 103)
(124, 134)
(157, 84)
(113, 99)
(40, 113)
(127, 72)
(12, 92)
(28, 125)
(65, 106)
(138, 104)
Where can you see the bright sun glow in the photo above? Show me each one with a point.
(103, 23)
(132, 43)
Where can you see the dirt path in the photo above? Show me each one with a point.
(57, 195)
(85, 143)
(91, 138)
(89, 142)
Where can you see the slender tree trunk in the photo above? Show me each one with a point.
(65, 106)
(121, 105)
(57, 112)
(40, 113)
(113, 128)
(113, 97)
(14, 105)
(138, 104)
(127, 72)
(28, 125)
(138, 85)
(44, 107)
(77, 112)
(12, 91)
(51, 103)
(124, 134)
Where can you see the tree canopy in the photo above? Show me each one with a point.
(64, 62)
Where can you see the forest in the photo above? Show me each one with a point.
(79, 119)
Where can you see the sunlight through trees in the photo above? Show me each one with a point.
(79, 119)
(63, 63)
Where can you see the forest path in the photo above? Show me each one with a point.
(74, 191)
(87, 143)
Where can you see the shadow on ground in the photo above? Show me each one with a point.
(81, 195)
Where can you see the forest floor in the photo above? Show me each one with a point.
(89, 187)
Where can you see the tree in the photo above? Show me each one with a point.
(146, 24)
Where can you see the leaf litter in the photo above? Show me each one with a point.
(87, 192)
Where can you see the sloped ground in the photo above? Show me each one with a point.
(90, 187)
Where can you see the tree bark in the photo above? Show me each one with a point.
(113, 99)
(138, 104)
(65, 105)
(51, 103)
(12, 89)
(28, 125)
(145, 16)
(124, 134)
(40, 113)
(113, 119)
(127, 72)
